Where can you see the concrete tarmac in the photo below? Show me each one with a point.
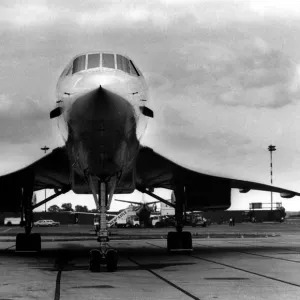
(239, 268)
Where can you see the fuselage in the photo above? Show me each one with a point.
(100, 95)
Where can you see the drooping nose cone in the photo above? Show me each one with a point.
(102, 133)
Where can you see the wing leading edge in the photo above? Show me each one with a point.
(153, 171)
(52, 172)
(156, 171)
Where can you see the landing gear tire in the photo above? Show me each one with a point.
(95, 260)
(179, 242)
(28, 242)
(112, 260)
(98, 258)
(158, 225)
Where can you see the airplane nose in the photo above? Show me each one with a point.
(107, 81)
(101, 126)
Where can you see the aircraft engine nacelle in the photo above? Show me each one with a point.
(210, 194)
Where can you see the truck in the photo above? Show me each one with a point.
(198, 220)
(133, 221)
(120, 220)
(12, 221)
(163, 221)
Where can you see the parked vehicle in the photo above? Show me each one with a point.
(12, 221)
(96, 221)
(198, 220)
(46, 223)
(163, 221)
(155, 220)
(133, 221)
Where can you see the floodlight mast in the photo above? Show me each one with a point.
(271, 148)
(45, 149)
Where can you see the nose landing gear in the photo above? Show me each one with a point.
(105, 255)
(99, 257)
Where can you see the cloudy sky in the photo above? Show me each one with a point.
(224, 81)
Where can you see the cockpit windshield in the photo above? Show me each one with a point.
(108, 60)
(79, 64)
(105, 60)
(93, 61)
(123, 63)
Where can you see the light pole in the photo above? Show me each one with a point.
(45, 149)
(271, 148)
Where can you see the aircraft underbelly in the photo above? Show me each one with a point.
(102, 134)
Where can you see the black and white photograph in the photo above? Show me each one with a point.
(149, 149)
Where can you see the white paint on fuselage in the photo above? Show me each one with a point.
(132, 89)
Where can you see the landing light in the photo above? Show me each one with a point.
(56, 112)
(147, 111)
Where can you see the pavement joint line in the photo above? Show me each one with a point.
(262, 246)
(164, 279)
(255, 254)
(246, 271)
(6, 230)
(9, 247)
(57, 285)
(272, 257)
(254, 273)
(154, 245)
(278, 242)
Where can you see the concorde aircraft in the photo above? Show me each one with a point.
(102, 110)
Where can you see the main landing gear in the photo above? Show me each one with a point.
(105, 255)
(27, 242)
(31, 242)
(179, 241)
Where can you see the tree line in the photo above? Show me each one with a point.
(68, 207)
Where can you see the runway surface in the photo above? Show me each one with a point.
(239, 268)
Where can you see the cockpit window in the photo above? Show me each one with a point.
(126, 65)
(123, 63)
(108, 60)
(93, 61)
(68, 70)
(79, 64)
(133, 69)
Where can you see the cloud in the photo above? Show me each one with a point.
(27, 14)
(22, 120)
(163, 14)
(228, 67)
(250, 72)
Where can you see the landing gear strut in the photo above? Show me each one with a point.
(179, 241)
(104, 255)
(27, 242)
